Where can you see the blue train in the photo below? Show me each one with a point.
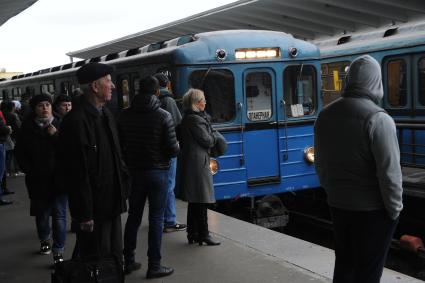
(262, 90)
(401, 52)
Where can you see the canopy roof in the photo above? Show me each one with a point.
(312, 20)
(10, 8)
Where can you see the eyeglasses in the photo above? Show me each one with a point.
(202, 101)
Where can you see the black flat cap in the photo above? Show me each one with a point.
(40, 98)
(93, 71)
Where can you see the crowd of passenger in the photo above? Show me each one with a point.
(76, 154)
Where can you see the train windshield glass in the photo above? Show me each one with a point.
(299, 90)
(219, 89)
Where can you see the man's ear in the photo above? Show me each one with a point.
(94, 87)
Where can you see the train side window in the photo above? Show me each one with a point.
(136, 85)
(421, 76)
(397, 83)
(219, 89)
(65, 88)
(300, 87)
(333, 80)
(258, 91)
(125, 90)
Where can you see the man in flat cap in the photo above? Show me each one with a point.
(90, 154)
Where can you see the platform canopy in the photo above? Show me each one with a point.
(11, 8)
(305, 19)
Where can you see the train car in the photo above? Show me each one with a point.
(262, 91)
(401, 52)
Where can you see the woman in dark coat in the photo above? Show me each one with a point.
(195, 178)
(35, 150)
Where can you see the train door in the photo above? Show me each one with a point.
(261, 145)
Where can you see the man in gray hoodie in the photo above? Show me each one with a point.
(357, 160)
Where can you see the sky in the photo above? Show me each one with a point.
(40, 36)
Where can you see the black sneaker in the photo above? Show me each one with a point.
(57, 258)
(45, 248)
(161, 272)
(174, 228)
(132, 266)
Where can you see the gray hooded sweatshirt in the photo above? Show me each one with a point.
(357, 155)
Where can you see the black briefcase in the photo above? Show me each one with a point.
(107, 269)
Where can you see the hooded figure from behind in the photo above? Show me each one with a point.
(357, 160)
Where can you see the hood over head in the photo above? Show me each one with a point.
(364, 79)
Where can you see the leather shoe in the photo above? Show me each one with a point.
(5, 202)
(209, 241)
(132, 266)
(161, 272)
(7, 192)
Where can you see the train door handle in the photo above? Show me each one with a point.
(273, 123)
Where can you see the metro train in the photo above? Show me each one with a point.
(401, 52)
(262, 90)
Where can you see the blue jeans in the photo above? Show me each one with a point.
(2, 166)
(170, 209)
(152, 185)
(57, 209)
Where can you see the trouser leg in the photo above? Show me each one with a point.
(135, 214)
(59, 223)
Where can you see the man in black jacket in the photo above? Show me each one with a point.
(4, 133)
(96, 175)
(149, 142)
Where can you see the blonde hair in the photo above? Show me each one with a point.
(192, 97)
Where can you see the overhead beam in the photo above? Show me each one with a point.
(370, 8)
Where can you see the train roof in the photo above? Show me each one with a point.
(195, 49)
(391, 37)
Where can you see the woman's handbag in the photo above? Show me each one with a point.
(220, 146)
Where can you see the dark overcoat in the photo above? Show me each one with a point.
(90, 196)
(35, 151)
(195, 181)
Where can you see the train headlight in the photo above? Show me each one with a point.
(214, 166)
(309, 154)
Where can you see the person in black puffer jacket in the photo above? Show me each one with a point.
(149, 142)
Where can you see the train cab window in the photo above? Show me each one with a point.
(258, 92)
(421, 76)
(397, 83)
(333, 80)
(300, 87)
(219, 89)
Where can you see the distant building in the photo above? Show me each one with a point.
(5, 75)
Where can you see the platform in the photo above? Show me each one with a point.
(248, 253)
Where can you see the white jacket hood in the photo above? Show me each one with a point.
(364, 79)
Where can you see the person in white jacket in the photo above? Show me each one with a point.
(357, 160)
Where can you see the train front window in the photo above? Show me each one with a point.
(421, 76)
(333, 80)
(219, 89)
(397, 83)
(258, 91)
(299, 90)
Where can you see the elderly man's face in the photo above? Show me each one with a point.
(103, 89)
